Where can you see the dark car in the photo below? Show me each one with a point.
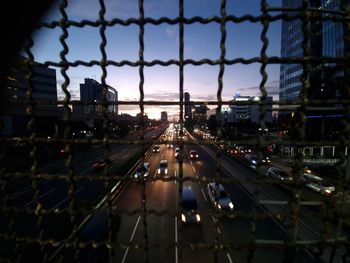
(193, 154)
(99, 165)
(254, 161)
(189, 206)
(156, 148)
(97, 229)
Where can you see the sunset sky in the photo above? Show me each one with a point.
(161, 42)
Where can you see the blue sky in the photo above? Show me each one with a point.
(161, 42)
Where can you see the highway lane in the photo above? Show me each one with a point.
(162, 231)
(54, 194)
(234, 232)
(311, 222)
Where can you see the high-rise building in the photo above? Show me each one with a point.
(91, 91)
(164, 117)
(326, 39)
(15, 98)
(199, 114)
(43, 81)
(188, 108)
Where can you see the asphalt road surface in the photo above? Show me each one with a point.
(159, 235)
(147, 224)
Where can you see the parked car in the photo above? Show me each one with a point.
(279, 174)
(223, 201)
(190, 213)
(193, 154)
(156, 148)
(318, 184)
(142, 171)
(163, 167)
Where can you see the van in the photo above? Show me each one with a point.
(189, 206)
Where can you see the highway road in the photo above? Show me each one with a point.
(159, 235)
(55, 198)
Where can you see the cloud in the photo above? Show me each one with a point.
(170, 31)
(160, 95)
(271, 87)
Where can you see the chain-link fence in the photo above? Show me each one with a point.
(35, 229)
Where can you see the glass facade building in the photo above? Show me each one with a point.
(326, 40)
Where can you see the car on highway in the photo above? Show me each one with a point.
(177, 152)
(99, 165)
(193, 154)
(189, 206)
(142, 171)
(253, 160)
(169, 146)
(156, 148)
(318, 184)
(223, 200)
(279, 174)
(163, 167)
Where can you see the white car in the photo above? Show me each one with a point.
(143, 170)
(163, 167)
(279, 174)
(177, 152)
(317, 184)
(223, 201)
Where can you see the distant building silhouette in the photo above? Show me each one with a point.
(15, 97)
(91, 91)
(188, 108)
(164, 117)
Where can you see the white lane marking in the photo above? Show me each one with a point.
(175, 176)
(194, 170)
(218, 229)
(77, 191)
(24, 190)
(161, 157)
(229, 258)
(125, 156)
(176, 250)
(131, 238)
(205, 198)
(41, 196)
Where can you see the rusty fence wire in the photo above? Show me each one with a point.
(74, 214)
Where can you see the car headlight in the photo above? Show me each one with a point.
(183, 218)
(159, 171)
(230, 205)
(249, 151)
(196, 155)
(198, 218)
(191, 156)
(264, 161)
(254, 162)
(328, 191)
(219, 206)
(166, 171)
(135, 175)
